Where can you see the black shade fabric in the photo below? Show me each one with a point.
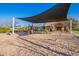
(55, 13)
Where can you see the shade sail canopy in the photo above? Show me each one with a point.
(55, 13)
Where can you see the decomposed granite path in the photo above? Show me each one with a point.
(56, 44)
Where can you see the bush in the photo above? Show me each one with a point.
(4, 29)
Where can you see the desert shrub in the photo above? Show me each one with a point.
(4, 29)
(75, 29)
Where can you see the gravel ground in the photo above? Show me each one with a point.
(55, 44)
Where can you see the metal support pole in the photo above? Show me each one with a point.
(13, 25)
(32, 28)
(70, 26)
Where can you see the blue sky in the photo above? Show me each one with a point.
(8, 10)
